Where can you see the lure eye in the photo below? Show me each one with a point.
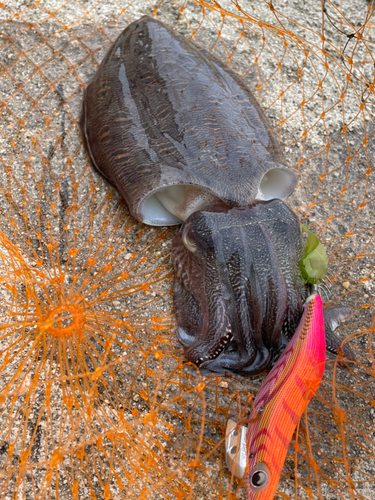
(187, 241)
(260, 477)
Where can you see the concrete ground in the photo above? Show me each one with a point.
(96, 401)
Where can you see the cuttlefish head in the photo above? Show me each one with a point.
(237, 289)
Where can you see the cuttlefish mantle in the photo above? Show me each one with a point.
(173, 129)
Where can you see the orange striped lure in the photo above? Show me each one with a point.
(278, 406)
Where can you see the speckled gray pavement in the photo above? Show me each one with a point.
(322, 128)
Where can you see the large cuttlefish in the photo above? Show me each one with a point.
(183, 139)
(185, 142)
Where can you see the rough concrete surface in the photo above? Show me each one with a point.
(77, 236)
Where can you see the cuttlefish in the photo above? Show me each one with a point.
(185, 142)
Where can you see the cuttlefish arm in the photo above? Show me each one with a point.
(279, 404)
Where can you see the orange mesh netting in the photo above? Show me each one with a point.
(96, 400)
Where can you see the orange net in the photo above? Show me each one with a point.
(96, 400)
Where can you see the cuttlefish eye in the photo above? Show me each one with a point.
(186, 239)
(260, 478)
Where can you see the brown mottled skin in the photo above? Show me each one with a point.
(161, 112)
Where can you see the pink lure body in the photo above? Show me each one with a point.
(281, 401)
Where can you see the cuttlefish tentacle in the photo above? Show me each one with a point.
(265, 310)
(223, 313)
